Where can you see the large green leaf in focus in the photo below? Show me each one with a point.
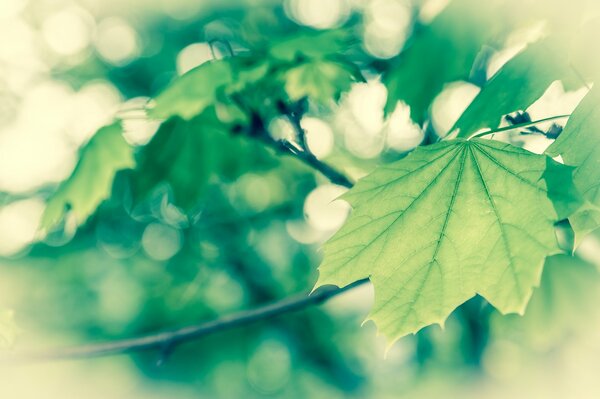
(188, 154)
(91, 181)
(441, 52)
(516, 86)
(579, 145)
(449, 221)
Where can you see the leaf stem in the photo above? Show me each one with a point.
(519, 126)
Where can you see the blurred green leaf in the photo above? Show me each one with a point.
(563, 303)
(188, 154)
(321, 80)
(91, 181)
(310, 44)
(449, 221)
(515, 87)
(441, 52)
(194, 91)
(579, 145)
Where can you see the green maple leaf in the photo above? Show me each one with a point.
(322, 80)
(91, 181)
(309, 64)
(579, 145)
(516, 86)
(450, 221)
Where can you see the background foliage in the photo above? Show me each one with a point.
(147, 225)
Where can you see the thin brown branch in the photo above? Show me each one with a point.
(259, 131)
(166, 341)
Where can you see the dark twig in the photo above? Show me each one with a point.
(259, 131)
(167, 341)
(172, 338)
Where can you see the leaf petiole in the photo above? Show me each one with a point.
(519, 126)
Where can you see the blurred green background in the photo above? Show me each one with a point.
(67, 66)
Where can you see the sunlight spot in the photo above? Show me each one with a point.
(220, 282)
(402, 133)
(515, 43)
(304, 233)
(92, 107)
(281, 129)
(555, 101)
(161, 242)
(317, 13)
(319, 136)
(262, 376)
(116, 41)
(366, 102)
(68, 31)
(450, 104)
(19, 223)
(360, 118)
(431, 8)
(323, 211)
(387, 25)
(138, 129)
(11, 8)
(194, 55)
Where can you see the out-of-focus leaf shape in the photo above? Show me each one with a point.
(579, 145)
(563, 304)
(321, 80)
(246, 71)
(318, 76)
(194, 91)
(439, 53)
(449, 221)
(311, 44)
(516, 86)
(91, 181)
(187, 154)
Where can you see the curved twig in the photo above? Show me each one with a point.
(172, 338)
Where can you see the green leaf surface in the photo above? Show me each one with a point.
(321, 80)
(310, 44)
(579, 145)
(450, 221)
(441, 52)
(194, 91)
(91, 181)
(188, 154)
(516, 86)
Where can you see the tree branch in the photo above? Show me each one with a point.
(166, 341)
(301, 152)
(258, 130)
